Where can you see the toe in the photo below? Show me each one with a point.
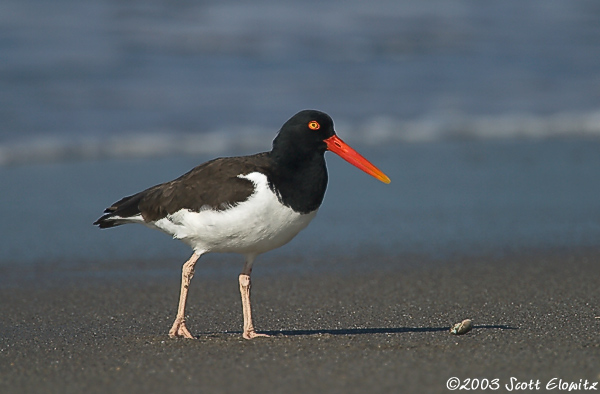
(254, 334)
(180, 330)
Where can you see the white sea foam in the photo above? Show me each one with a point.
(375, 131)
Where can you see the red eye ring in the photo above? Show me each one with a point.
(314, 125)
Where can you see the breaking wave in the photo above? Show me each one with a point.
(374, 131)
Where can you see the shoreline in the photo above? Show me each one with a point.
(535, 316)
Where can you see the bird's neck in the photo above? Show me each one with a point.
(300, 180)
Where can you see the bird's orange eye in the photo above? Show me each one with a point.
(314, 125)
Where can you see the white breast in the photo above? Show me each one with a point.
(257, 225)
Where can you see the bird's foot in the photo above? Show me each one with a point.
(180, 330)
(253, 334)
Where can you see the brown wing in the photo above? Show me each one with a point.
(214, 185)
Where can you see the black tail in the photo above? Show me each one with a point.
(117, 214)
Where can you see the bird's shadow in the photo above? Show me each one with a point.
(382, 330)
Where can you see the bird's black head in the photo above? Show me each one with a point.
(304, 134)
(304, 139)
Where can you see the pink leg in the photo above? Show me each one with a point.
(245, 283)
(187, 273)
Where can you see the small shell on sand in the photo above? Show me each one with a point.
(462, 328)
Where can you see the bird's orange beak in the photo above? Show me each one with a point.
(339, 147)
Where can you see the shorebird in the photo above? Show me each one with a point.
(246, 205)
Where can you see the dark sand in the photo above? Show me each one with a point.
(536, 316)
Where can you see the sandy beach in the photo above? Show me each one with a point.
(536, 316)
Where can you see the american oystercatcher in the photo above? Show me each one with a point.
(247, 205)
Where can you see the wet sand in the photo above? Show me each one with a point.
(536, 316)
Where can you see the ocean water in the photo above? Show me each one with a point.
(83, 80)
(447, 198)
(485, 115)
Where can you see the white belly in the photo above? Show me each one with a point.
(257, 225)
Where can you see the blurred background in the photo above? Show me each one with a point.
(486, 115)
